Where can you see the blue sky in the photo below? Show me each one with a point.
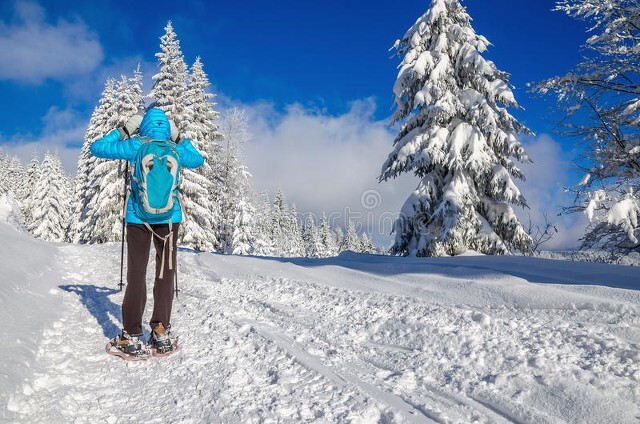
(293, 65)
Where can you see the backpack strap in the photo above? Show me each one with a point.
(169, 238)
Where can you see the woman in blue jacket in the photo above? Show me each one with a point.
(123, 143)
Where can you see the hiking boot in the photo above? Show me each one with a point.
(130, 345)
(161, 340)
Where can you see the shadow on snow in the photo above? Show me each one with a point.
(96, 300)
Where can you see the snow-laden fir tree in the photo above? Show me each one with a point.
(264, 241)
(327, 240)
(280, 223)
(9, 181)
(285, 232)
(4, 178)
(224, 172)
(296, 244)
(50, 202)
(16, 176)
(243, 238)
(339, 238)
(13, 194)
(365, 245)
(87, 187)
(169, 89)
(601, 104)
(185, 100)
(231, 178)
(201, 215)
(350, 239)
(311, 239)
(111, 174)
(32, 177)
(458, 138)
(135, 90)
(100, 183)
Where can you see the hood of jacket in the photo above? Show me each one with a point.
(155, 125)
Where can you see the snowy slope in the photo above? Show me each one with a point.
(350, 339)
(26, 304)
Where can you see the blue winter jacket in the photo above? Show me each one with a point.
(154, 125)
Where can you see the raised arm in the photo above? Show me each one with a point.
(112, 147)
(189, 156)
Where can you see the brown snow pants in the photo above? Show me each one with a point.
(135, 297)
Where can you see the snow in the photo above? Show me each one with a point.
(625, 213)
(26, 305)
(598, 196)
(10, 210)
(355, 338)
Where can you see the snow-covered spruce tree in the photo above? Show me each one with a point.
(4, 178)
(264, 245)
(350, 239)
(328, 243)
(33, 175)
(280, 222)
(186, 102)
(16, 176)
(201, 215)
(600, 100)
(458, 138)
(243, 238)
(296, 244)
(135, 90)
(169, 89)
(87, 184)
(231, 177)
(50, 202)
(7, 180)
(339, 238)
(99, 186)
(365, 245)
(111, 174)
(13, 189)
(311, 239)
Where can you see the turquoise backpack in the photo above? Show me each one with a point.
(155, 180)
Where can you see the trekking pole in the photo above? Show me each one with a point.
(176, 290)
(124, 214)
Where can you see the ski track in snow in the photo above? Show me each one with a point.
(265, 349)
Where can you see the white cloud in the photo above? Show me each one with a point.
(544, 190)
(63, 134)
(34, 50)
(328, 163)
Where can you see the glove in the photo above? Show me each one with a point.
(131, 127)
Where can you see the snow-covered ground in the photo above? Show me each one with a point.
(356, 338)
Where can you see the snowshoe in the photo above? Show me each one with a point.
(161, 342)
(128, 347)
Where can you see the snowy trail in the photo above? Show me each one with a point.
(460, 363)
(271, 341)
(227, 371)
